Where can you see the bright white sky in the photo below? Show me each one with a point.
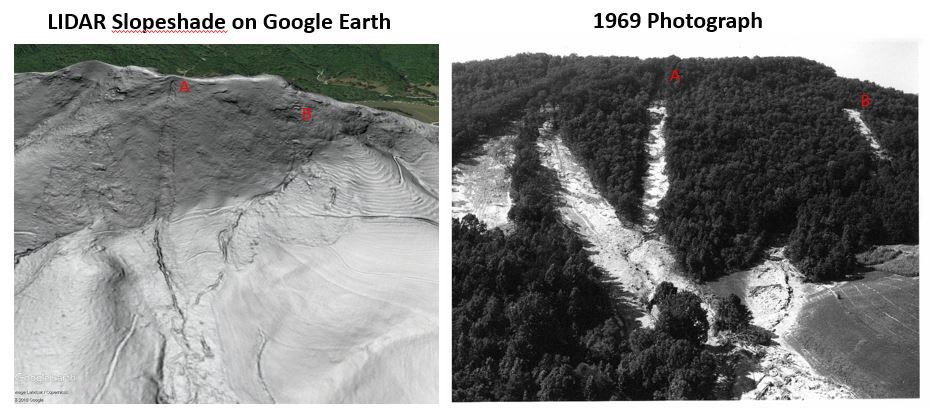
(888, 63)
(891, 63)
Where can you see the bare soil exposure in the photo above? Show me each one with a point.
(640, 261)
(212, 246)
(482, 187)
(682, 228)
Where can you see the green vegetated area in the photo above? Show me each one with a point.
(355, 73)
(759, 150)
(420, 111)
(534, 319)
(759, 153)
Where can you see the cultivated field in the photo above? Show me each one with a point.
(418, 111)
(864, 333)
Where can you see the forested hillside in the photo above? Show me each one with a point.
(759, 153)
(534, 319)
(488, 95)
(759, 150)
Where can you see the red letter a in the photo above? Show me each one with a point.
(675, 75)
(184, 86)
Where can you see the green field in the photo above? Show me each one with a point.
(353, 73)
(419, 111)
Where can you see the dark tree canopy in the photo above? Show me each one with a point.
(682, 317)
(663, 291)
(731, 314)
(534, 319)
(759, 151)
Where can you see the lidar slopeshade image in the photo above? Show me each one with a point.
(682, 228)
(208, 224)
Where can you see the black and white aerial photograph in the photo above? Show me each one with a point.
(698, 227)
(226, 223)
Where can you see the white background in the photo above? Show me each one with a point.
(872, 40)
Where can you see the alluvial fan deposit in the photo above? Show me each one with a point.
(213, 246)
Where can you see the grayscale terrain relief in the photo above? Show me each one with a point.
(215, 245)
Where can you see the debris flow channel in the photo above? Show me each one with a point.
(639, 260)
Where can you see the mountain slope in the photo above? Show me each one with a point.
(211, 246)
(759, 151)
